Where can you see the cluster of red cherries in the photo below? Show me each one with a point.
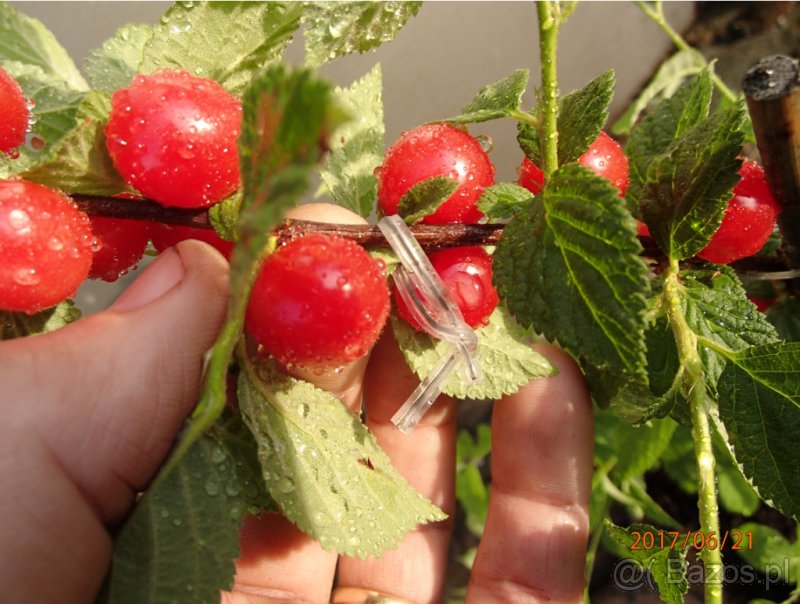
(319, 301)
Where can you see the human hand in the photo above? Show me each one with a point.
(98, 404)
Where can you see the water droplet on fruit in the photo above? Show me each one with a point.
(55, 244)
(19, 221)
(27, 276)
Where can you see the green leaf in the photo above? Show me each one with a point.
(503, 201)
(667, 566)
(245, 37)
(639, 449)
(687, 188)
(504, 353)
(495, 100)
(224, 216)
(81, 163)
(425, 197)
(180, 542)
(114, 65)
(670, 75)
(357, 145)
(335, 29)
(25, 40)
(54, 111)
(20, 324)
(770, 550)
(735, 493)
(785, 316)
(666, 123)
(472, 494)
(324, 468)
(570, 268)
(759, 403)
(581, 116)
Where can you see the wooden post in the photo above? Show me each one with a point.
(772, 89)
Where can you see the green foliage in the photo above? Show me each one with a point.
(425, 197)
(471, 490)
(503, 201)
(770, 550)
(334, 29)
(581, 116)
(224, 216)
(569, 267)
(357, 145)
(504, 353)
(494, 101)
(246, 38)
(785, 316)
(114, 65)
(323, 467)
(20, 324)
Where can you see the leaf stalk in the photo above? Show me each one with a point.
(548, 103)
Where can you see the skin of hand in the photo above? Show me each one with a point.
(95, 407)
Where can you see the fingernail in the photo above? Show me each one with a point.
(162, 275)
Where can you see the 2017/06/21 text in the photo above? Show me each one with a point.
(649, 540)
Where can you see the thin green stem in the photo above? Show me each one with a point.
(548, 127)
(700, 407)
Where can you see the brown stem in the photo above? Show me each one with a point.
(142, 209)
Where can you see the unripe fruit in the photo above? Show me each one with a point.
(436, 150)
(748, 221)
(318, 302)
(45, 247)
(467, 275)
(14, 114)
(604, 157)
(172, 136)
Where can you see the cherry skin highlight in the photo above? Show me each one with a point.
(14, 114)
(318, 302)
(436, 150)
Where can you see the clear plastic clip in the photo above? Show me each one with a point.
(429, 302)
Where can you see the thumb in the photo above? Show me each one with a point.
(108, 394)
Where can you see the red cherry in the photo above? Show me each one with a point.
(604, 157)
(122, 245)
(436, 150)
(45, 247)
(165, 236)
(318, 302)
(173, 136)
(748, 221)
(15, 113)
(467, 274)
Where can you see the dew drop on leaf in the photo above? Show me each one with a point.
(211, 487)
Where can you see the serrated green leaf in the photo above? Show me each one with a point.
(735, 493)
(19, 324)
(765, 548)
(785, 316)
(224, 216)
(759, 403)
(245, 37)
(81, 163)
(666, 565)
(670, 75)
(667, 122)
(120, 58)
(687, 188)
(570, 268)
(640, 448)
(26, 40)
(581, 116)
(335, 29)
(357, 145)
(504, 353)
(325, 469)
(54, 112)
(495, 100)
(180, 542)
(425, 197)
(504, 200)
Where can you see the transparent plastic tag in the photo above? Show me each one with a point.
(427, 299)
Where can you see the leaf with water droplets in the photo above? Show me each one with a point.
(114, 65)
(425, 197)
(25, 40)
(504, 353)
(53, 116)
(334, 29)
(181, 540)
(494, 101)
(19, 324)
(324, 468)
(245, 37)
(504, 200)
(357, 145)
